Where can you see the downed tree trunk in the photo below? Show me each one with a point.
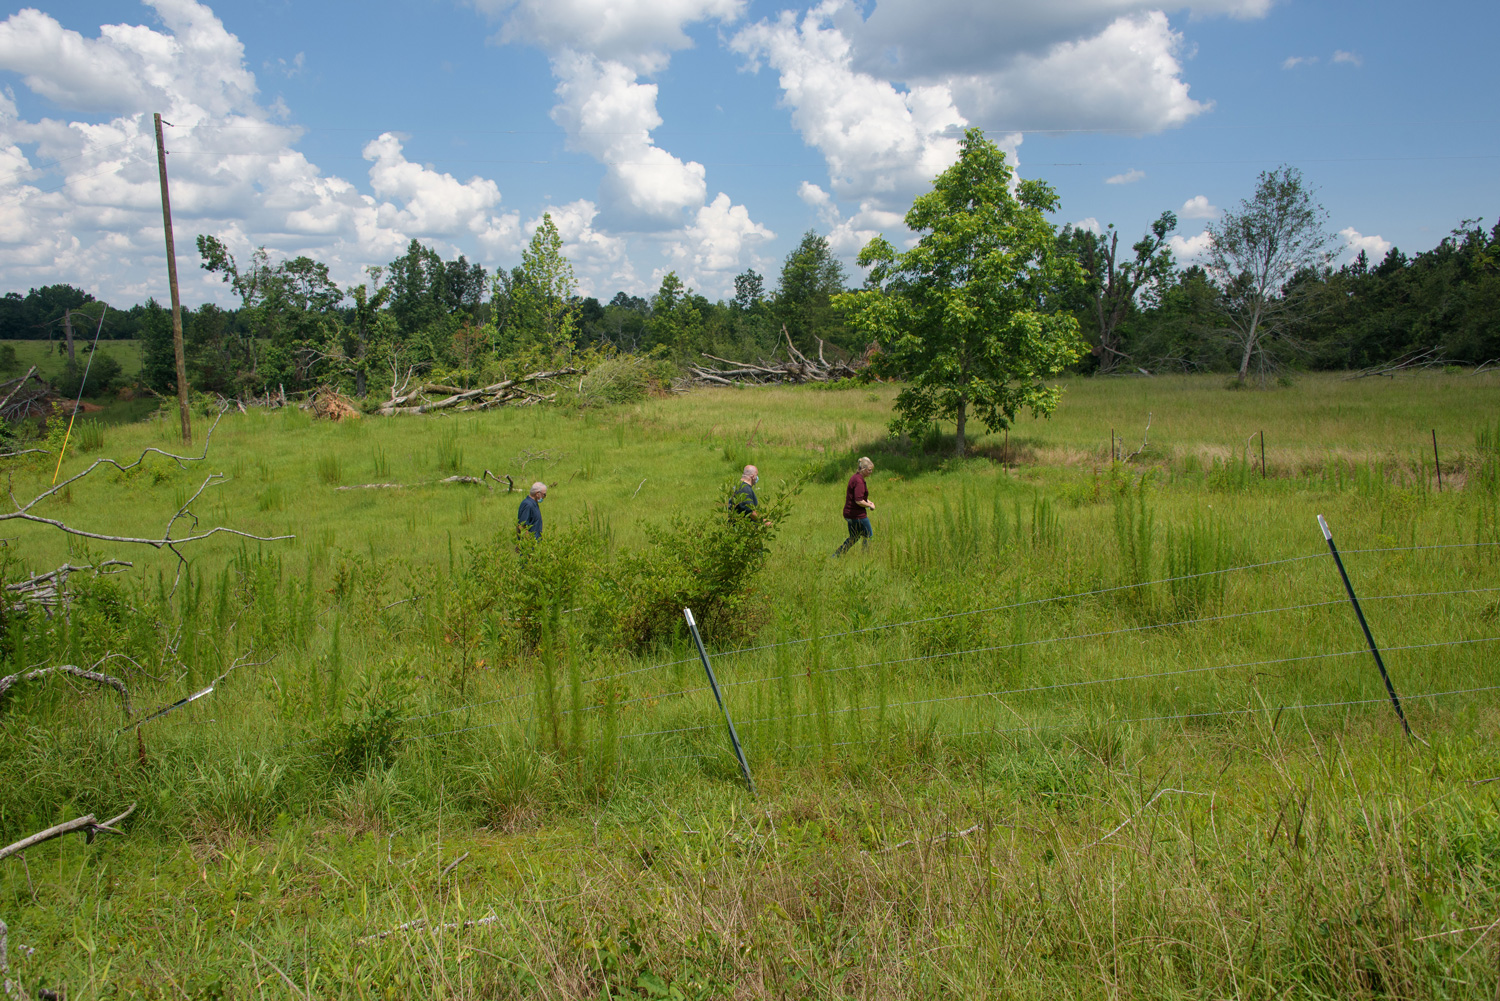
(798, 368)
(470, 399)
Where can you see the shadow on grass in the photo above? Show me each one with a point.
(910, 458)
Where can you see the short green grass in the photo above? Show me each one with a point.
(1097, 796)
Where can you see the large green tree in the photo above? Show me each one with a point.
(974, 316)
(537, 302)
(810, 277)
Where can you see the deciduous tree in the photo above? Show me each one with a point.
(1256, 251)
(973, 316)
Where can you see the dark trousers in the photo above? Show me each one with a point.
(859, 528)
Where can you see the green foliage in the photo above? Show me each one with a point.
(704, 562)
(811, 276)
(540, 309)
(972, 316)
(368, 734)
(1135, 532)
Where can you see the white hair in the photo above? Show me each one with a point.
(538, 488)
(865, 463)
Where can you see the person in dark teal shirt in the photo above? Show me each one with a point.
(529, 517)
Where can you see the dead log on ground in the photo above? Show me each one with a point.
(797, 368)
(508, 391)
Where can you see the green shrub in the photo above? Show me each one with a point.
(103, 375)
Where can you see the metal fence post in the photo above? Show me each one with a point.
(1359, 614)
(734, 738)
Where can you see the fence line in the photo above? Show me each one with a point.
(1031, 728)
(735, 652)
(1046, 640)
(1032, 689)
(986, 649)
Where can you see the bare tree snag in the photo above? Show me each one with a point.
(87, 824)
(46, 589)
(7, 682)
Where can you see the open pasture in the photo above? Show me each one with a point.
(1069, 726)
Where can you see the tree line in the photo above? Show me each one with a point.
(1267, 296)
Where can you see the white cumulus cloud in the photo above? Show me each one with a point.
(637, 33)
(80, 199)
(1129, 177)
(609, 114)
(1292, 62)
(1190, 250)
(878, 141)
(1374, 247)
(1349, 58)
(1198, 207)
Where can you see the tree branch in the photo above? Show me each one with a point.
(85, 823)
(104, 679)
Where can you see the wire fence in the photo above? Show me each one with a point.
(684, 718)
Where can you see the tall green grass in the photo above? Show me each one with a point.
(966, 739)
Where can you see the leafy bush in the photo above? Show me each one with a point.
(370, 737)
(705, 562)
(103, 376)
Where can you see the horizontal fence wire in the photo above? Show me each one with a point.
(959, 653)
(1019, 644)
(937, 656)
(1321, 554)
(1061, 725)
(1088, 682)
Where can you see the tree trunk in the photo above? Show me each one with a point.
(1249, 347)
(68, 328)
(359, 382)
(963, 417)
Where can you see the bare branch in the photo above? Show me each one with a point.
(104, 679)
(85, 823)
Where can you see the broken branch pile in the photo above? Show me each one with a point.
(510, 391)
(797, 368)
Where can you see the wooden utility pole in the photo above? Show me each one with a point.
(68, 329)
(166, 216)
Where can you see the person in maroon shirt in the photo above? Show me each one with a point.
(857, 508)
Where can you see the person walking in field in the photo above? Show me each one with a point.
(857, 507)
(529, 517)
(742, 500)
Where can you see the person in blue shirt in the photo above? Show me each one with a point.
(529, 517)
(743, 501)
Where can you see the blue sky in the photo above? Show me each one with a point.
(705, 136)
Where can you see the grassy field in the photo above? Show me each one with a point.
(49, 364)
(993, 758)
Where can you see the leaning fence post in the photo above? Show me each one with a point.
(713, 683)
(1436, 465)
(1359, 614)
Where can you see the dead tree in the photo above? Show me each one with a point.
(46, 590)
(87, 824)
(797, 368)
(414, 401)
(9, 681)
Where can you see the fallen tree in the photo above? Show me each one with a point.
(797, 368)
(415, 401)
